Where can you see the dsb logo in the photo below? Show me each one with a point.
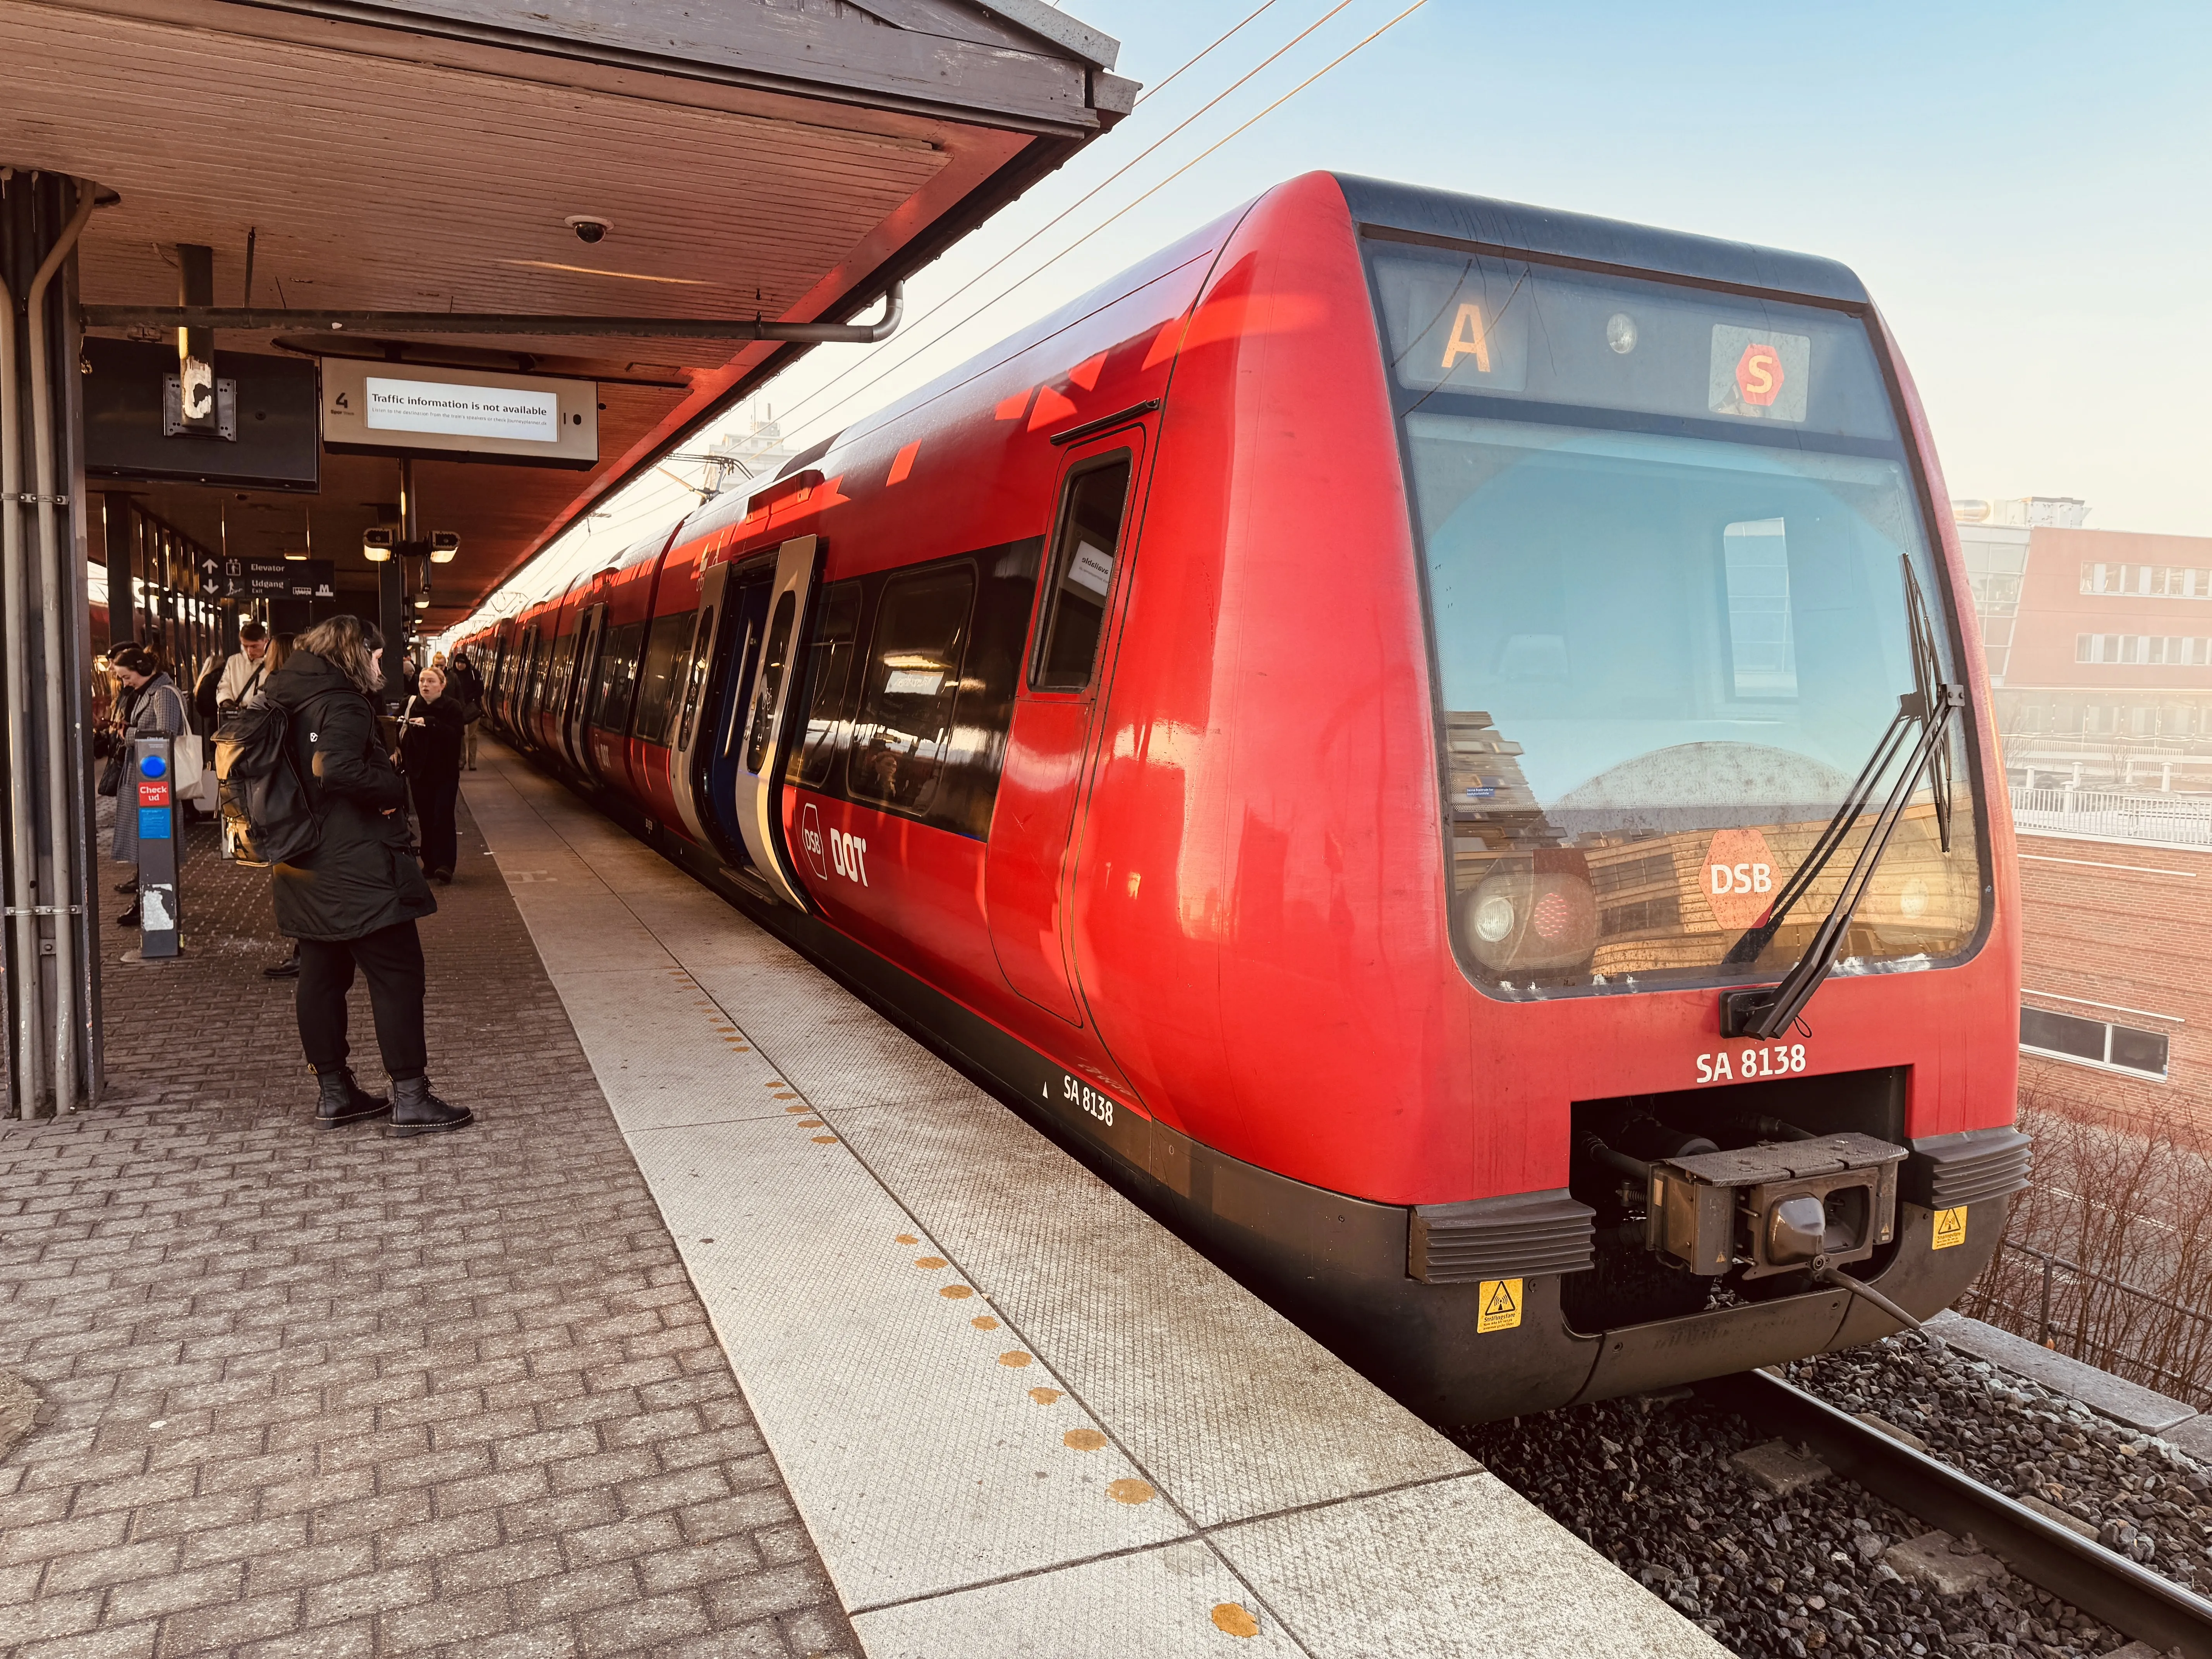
(1738, 878)
(1741, 877)
(848, 855)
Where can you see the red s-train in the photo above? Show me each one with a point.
(1348, 724)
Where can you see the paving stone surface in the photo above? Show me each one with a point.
(337, 1395)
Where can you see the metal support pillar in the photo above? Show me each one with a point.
(51, 973)
(118, 539)
(391, 585)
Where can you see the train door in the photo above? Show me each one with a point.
(1026, 866)
(690, 739)
(514, 701)
(744, 777)
(583, 670)
(721, 723)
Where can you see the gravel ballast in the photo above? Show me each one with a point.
(2146, 1498)
(1649, 1482)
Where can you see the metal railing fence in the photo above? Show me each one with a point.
(2099, 1319)
(2183, 819)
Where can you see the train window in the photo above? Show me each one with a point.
(1081, 573)
(617, 675)
(912, 677)
(695, 681)
(774, 656)
(829, 668)
(657, 675)
(1654, 638)
(557, 673)
(1762, 646)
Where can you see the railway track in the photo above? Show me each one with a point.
(2132, 1599)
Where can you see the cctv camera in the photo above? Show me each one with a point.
(590, 229)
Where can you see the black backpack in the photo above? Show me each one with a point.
(272, 817)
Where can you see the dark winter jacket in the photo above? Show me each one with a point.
(433, 749)
(359, 878)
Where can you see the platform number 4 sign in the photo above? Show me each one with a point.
(1950, 1228)
(1501, 1305)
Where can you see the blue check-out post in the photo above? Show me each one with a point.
(153, 766)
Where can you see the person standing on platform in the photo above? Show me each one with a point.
(280, 651)
(352, 900)
(430, 729)
(157, 710)
(247, 670)
(462, 676)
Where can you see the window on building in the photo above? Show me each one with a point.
(2093, 1041)
(2158, 582)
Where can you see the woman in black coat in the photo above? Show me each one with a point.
(431, 727)
(353, 899)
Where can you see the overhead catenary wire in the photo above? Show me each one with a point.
(1357, 47)
(1193, 63)
(1118, 172)
(1225, 138)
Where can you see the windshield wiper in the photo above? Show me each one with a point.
(1932, 704)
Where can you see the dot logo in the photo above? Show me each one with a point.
(1759, 375)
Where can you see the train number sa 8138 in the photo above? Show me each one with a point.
(1734, 1065)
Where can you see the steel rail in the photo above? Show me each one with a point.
(2118, 1592)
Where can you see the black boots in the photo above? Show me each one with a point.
(417, 1111)
(345, 1101)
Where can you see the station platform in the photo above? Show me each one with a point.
(739, 1324)
(1019, 1417)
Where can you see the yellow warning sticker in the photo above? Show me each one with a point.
(1950, 1228)
(1501, 1305)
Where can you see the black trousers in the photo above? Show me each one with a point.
(436, 794)
(391, 960)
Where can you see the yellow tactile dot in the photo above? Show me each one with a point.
(905, 1238)
(1083, 1440)
(956, 1292)
(825, 1140)
(984, 1323)
(929, 1262)
(1235, 1620)
(801, 1111)
(1016, 1358)
(1044, 1396)
(810, 1123)
(1130, 1490)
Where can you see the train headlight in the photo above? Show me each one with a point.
(1524, 916)
(1620, 332)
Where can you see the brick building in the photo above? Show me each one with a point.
(2116, 987)
(2099, 644)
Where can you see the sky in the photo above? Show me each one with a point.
(2022, 188)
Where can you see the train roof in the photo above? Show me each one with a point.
(1518, 227)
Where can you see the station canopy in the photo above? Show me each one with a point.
(787, 160)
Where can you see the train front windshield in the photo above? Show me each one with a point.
(1667, 532)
